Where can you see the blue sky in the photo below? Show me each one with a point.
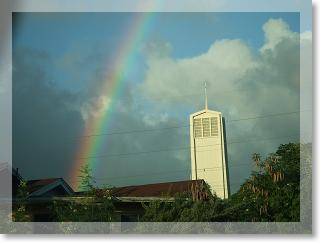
(65, 57)
(189, 34)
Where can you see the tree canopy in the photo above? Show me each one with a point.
(271, 193)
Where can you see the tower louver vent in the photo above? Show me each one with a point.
(197, 128)
(214, 126)
(206, 127)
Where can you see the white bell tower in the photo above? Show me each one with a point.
(208, 149)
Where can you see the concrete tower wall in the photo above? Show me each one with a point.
(208, 157)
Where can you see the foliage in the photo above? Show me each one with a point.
(89, 209)
(86, 179)
(20, 213)
(94, 204)
(271, 193)
(184, 208)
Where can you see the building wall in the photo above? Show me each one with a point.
(208, 158)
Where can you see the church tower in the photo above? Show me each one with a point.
(208, 149)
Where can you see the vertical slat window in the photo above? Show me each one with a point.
(214, 126)
(205, 127)
(197, 128)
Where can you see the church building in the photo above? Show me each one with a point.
(208, 150)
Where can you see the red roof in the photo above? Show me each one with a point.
(34, 185)
(155, 190)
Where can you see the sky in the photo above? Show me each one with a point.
(68, 74)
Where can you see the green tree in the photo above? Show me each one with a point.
(20, 213)
(86, 178)
(94, 205)
(271, 193)
(185, 208)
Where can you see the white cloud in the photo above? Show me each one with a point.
(276, 30)
(228, 65)
(153, 119)
(220, 66)
(95, 107)
(241, 83)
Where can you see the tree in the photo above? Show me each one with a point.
(185, 207)
(87, 181)
(20, 213)
(95, 205)
(271, 193)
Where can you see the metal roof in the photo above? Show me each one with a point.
(169, 189)
(40, 186)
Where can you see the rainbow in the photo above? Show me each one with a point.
(111, 88)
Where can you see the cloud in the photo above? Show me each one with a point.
(152, 119)
(241, 83)
(225, 61)
(48, 121)
(89, 81)
(276, 30)
(95, 107)
(45, 122)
